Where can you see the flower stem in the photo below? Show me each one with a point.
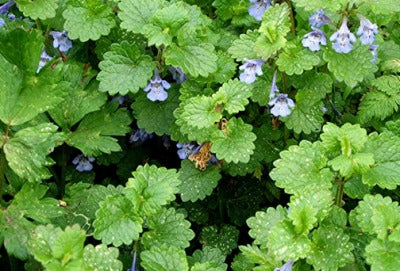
(339, 195)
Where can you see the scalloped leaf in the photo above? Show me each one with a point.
(225, 238)
(164, 258)
(102, 258)
(41, 9)
(313, 5)
(383, 256)
(200, 112)
(244, 46)
(234, 96)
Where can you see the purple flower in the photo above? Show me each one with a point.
(44, 58)
(177, 75)
(274, 87)
(286, 267)
(324, 109)
(318, 19)
(367, 31)
(2, 22)
(343, 38)
(156, 87)
(83, 163)
(4, 8)
(374, 51)
(257, 10)
(313, 40)
(141, 135)
(281, 105)
(61, 41)
(185, 149)
(250, 68)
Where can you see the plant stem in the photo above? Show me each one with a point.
(3, 163)
(339, 195)
(292, 21)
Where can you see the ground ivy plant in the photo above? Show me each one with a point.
(201, 135)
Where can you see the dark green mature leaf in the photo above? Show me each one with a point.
(208, 254)
(319, 83)
(197, 184)
(152, 187)
(125, 68)
(88, 19)
(41, 9)
(235, 144)
(164, 258)
(99, 126)
(244, 46)
(101, 258)
(27, 151)
(167, 227)
(224, 238)
(117, 221)
(235, 10)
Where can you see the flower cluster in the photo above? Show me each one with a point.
(83, 163)
(139, 135)
(258, 8)
(185, 149)
(314, 39)
(281, 103)
(61, 41)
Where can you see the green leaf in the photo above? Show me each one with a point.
(201, 112)
(23, 96)
(273, 30)
(261, 88)
(226, 69)
(134, 14)
(262, 223)
(152, 187)
(319, 83)
(208, 255)
(284, 238)
(224, 238)
(167, 227)
(41, 9)
(26, 151)
(351, 68)
(307, 115)
(383, 255)
(102, 258)
(385, 7)
(295, 59)
(88, 19)
(386, 170)
(382, 103)
(57, 249)
(235, 10)
(125, 69)
(313, 5)
(99, 126)
(235, 144)
(194, 60)
(164, 258)
(386, 220)
(234, 96)
(156, 117)
(207, 266)
(349, 165)
(117, 221)
(355, 188)
(311, 174)
(244, 46)
(197, 184)
(328, 243)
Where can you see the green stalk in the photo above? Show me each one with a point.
(292, 20)
(3, 164)
(339, 196)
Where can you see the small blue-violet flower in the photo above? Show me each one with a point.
(286, 267)
(367, 31)
(177, 75)
(318, 19)
(250, 68)
(83, 163)
(374, 51)
(281, 105)
(343, 39)
(61, 41)
(257, 10)
(185, 149)
(2, 22)
(4, 9)
(314, 39)
(140, 135)
(44, 58)
(156, 87)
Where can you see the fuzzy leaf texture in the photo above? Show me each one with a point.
(224, 238)
(234, 96)
(313, 5)
(164, 258)
(39, 9)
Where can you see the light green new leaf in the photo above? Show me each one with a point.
(273, 31)
(207, 266)
(314, 5)
(235, 143)
(197, 184)
(41, 9)
(386, 151)
(234, 10)
(167, 227)
(234, 96)
(385, 7)
(307, 115)
(244, 46)
(99, 126)
(328, 243)
(135, 14)
(383, 255)
(386, 220)
(164, 258)
(349, 165)
(261, 224)
(195, 60)
(310, 174)
(283, 237)
(26, 152)
(152, 187)
(295, 59)
(125, 69)
(201, 112)
(88, 19)
(117, 221)
(351, 68)
(101, 258)
(224, 238)
(260, 257)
